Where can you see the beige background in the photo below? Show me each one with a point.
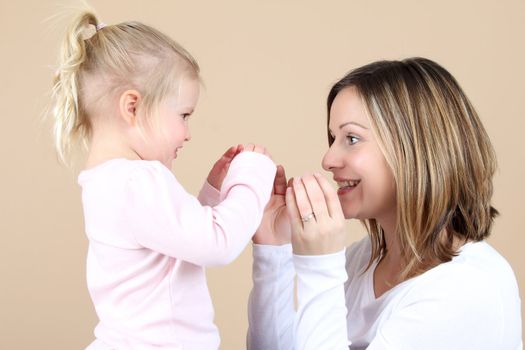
(268, 66)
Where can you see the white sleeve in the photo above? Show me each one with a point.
(270, 306)
(321, 318)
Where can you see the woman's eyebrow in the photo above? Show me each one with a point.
(353, 123)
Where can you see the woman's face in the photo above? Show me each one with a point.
(366, 187)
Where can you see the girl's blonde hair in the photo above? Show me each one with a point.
(98, 62)
(440, 155)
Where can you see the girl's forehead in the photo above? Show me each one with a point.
(185, 93)
(189, 89)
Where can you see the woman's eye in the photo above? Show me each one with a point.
(352, 140)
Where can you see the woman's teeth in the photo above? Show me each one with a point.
(348, 183)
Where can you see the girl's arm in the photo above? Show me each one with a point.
(209, 195)
(163, 217)
(210, 192)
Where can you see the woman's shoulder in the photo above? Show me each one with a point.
(478, 275)
(477, 287)
(477, 260)
(483, 262)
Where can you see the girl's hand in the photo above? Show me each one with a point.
(275, 227)
(256, 148)
(220, 168)
(318, 224)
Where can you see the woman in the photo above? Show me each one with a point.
(413, 162)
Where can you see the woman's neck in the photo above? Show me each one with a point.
(387, 273)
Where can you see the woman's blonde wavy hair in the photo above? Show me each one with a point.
(98, 62)
(440, 155)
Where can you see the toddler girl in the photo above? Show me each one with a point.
(127, 91)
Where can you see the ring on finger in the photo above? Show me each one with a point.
(308, 217)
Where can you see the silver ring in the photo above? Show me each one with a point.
(308, 217)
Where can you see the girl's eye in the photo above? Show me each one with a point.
(352, 140)
(185, 116)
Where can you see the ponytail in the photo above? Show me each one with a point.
(70, 121)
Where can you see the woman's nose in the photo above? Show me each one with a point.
(331, 159)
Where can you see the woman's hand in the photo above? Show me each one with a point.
(318, 224)
(275, 226)
(220, 168)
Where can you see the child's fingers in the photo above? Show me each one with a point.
(239, 149)
(226, 158)
(230, 153)
(263, 150)
(249, 147)
(259, 149)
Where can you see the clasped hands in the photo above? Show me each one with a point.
(304, 211)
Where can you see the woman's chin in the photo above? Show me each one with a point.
(349, 215)
(353, 214)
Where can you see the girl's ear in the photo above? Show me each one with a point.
(128, 104)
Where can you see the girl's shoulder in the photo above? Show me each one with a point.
(122, 170)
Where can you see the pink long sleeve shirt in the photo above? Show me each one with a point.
(149, 241)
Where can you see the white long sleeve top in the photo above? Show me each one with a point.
(471, 302)
(149, 241)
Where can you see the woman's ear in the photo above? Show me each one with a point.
(128, 104)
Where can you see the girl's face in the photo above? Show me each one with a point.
(366, 184)
(171, 129)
